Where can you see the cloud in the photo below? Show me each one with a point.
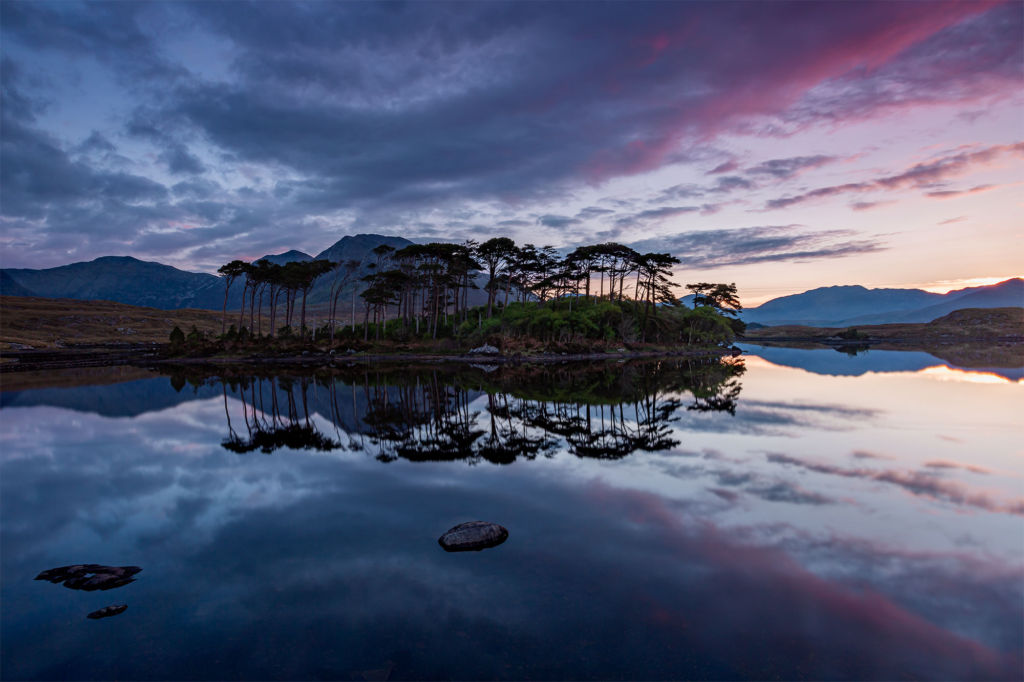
(784, 169)
(725, 167)
(591, 212)
(865, 205)
(557, 221)
(761, 244)
(655, 214)
(917, 483)
(921, 175)
(360, 114)
(945, 464)
(952, 193)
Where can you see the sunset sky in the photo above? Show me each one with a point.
(781, 146)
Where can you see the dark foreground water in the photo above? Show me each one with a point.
(748, 520)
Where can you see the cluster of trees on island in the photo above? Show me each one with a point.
(604, 292)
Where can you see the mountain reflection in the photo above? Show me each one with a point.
(436, 413)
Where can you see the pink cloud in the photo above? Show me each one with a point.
(920, 175)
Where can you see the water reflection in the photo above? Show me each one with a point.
(859, 360)
(593, 411)
(808, 526)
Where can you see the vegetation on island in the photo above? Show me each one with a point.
(597, 295)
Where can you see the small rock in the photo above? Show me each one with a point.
(108, 611)
(473, 536)
(485, 349)
(620, 350)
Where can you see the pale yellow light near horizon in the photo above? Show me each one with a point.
(755, 296)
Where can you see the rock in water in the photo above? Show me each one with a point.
(473, 535)
(108, 611)
(486, 349)
(90, 577)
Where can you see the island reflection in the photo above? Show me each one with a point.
(602, 411)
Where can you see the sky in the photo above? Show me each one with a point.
(780, 146)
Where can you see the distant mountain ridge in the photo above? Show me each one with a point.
(124, 279)
(839, 306)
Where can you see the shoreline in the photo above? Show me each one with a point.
(29, 360)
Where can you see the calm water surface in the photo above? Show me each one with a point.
(796, 517)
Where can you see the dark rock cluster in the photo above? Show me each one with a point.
(90, 577)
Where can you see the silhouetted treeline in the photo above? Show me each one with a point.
(605, 292)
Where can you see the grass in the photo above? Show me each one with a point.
(59, 322)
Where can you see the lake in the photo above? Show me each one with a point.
(791, 514)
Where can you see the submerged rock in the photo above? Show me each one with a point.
(90, 577)
(473, 535)
(108, 611)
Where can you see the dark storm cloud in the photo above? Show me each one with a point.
(521, 128)
(107, 31)
(376, 108)
(743, 246)
(961, 63)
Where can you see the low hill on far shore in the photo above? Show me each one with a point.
(844, 306)
(974, 337)
(976, 324)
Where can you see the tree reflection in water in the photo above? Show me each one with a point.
(602, 411)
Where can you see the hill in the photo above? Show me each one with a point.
(1003, 294)
(970, 324)
(972, 337)
(123, 279)
(10, 287)
(857, 305)
(293, 256)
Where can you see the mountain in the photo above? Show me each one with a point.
(293, 256)
(129, 280)
(850, 305)
(10, 287)
(359, 247)
(1005, 294)
(126, 280)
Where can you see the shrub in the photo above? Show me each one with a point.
(177, 337)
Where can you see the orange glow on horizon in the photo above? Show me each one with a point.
(944, 286)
